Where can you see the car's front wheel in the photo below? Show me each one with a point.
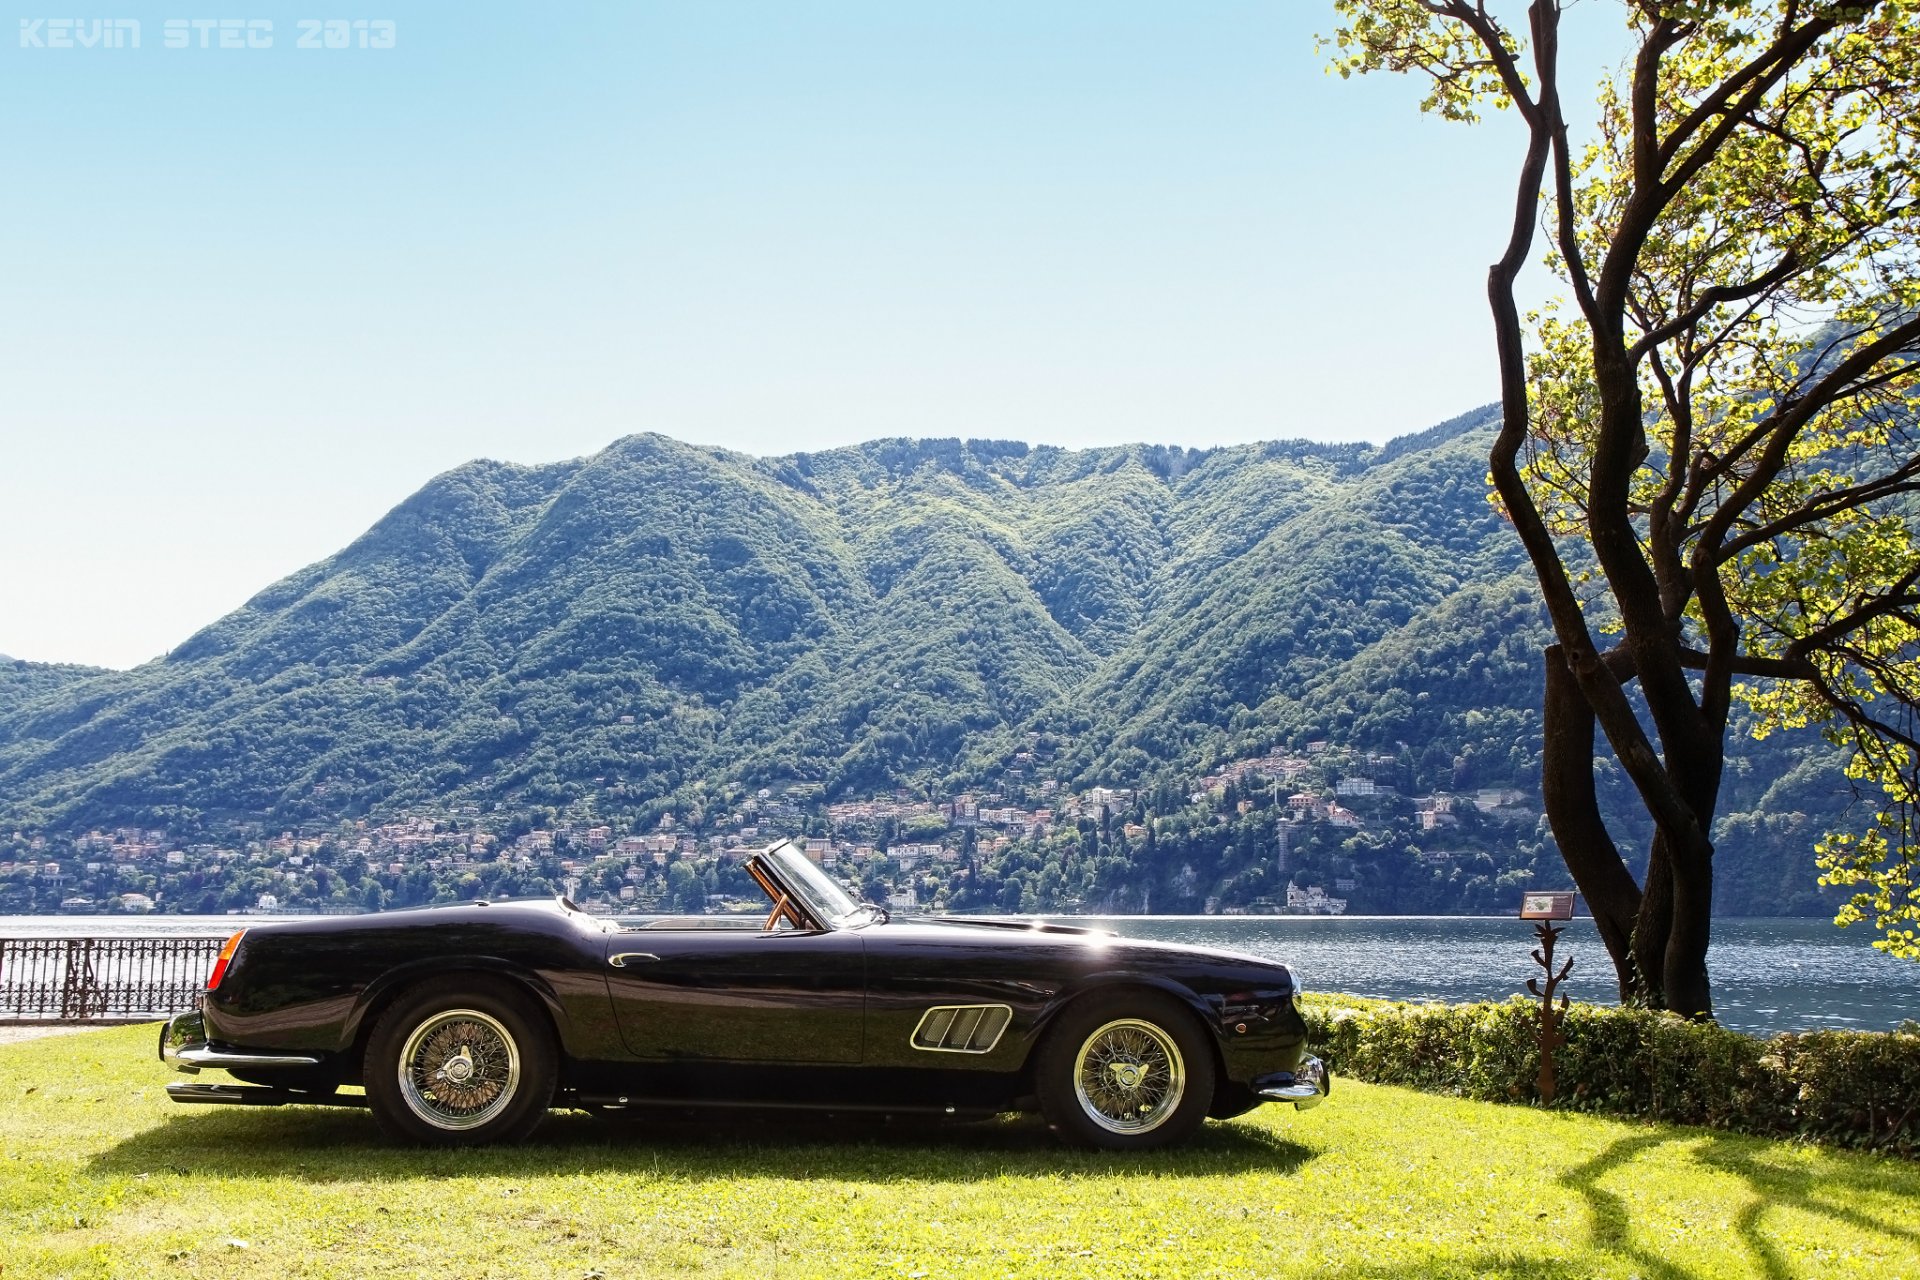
(460, 1065)
(1125, 1071)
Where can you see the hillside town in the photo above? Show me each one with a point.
(1308, 833)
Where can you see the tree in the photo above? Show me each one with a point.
(685, 891)
(1709, 453)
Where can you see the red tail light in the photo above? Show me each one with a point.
(224, 959)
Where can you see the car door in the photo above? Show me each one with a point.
(731, 995)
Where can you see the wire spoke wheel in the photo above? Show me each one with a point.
(1129, 1076)
(459, 1069)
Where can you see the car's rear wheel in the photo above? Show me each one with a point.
(461, 1065)
(1127, 1070)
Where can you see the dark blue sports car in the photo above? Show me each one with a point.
(466, 1024)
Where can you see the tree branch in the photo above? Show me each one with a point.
(1825, 505)
(1654, 189)
(1785, 425)
(1715, 103)
(1718, 295)
(1894, 600)
(1619, 662)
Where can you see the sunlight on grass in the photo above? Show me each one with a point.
(103, 1176)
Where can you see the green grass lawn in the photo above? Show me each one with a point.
(102, 1176)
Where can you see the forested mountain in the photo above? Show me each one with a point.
(21, 682)
(665, 627)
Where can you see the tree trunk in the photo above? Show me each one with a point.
(1656, 933)
(1573, 811)
(1675, 921)
(1685, 975)
(1654, 924)
(1684, 965)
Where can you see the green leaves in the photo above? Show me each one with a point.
(1454, 47)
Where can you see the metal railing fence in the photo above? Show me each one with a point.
(85, 979)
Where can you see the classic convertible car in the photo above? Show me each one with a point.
(466, 1023)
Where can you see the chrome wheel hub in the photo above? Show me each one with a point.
(459, 1069)
(1129, 1076)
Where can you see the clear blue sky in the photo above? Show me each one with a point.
(250, 299)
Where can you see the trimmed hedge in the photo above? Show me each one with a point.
(1855, 1088)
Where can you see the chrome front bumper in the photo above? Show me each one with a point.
(1305, 1086)
(184, 1047)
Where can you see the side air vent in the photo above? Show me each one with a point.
(962, 1028)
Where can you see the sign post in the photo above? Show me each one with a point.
(1544, 909)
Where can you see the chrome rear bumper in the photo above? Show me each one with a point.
(184, 1047)
(1305, 1086)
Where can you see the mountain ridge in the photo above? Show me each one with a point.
(661, 625)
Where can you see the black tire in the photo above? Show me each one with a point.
(1125, 1071)
(460, 1064)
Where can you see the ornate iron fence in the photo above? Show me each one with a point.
(78, 979)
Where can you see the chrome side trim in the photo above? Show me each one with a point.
(229, 1094)
(241, 1095)
(961, 1028)
(194, 1057)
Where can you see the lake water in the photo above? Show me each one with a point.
(1768, 975)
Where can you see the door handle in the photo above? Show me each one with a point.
(625, 958)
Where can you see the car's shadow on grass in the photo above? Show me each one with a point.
(340, 1145)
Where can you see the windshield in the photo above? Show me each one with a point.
(822, 897)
